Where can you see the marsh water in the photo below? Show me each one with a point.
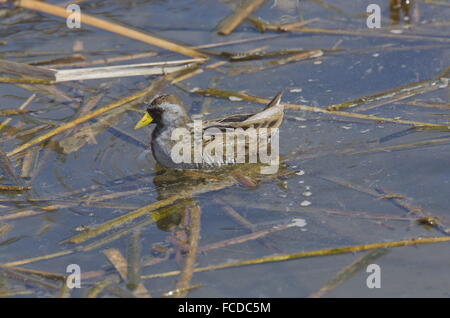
(344, 181)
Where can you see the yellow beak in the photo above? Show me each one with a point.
(145, 120)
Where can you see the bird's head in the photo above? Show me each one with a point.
(166, 110)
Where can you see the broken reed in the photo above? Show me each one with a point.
(323, 252)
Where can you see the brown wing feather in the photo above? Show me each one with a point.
(275, 101)
(270, 117)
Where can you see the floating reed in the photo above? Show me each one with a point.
(12, 112)
(109, 26)
(14, 188)
(141, 96)
(370, 34)
(191, 257)
(8, 170)
(38, 258)
(87, 117)
(99, 287)
(22, 107)
(120, 264)
(394, 94)
(109, 225)
(349, 271)
(41, 75)
(227, 25)
(227, 94)
(155, 68)
(323, 252)
(133, 260)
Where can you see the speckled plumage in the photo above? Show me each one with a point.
(168, 113)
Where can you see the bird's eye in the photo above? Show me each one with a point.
(155, 112)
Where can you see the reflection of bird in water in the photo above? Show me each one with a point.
(169, 182)
(395, 6)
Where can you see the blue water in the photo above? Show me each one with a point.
(116, 161)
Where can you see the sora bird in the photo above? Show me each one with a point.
(175, 133)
